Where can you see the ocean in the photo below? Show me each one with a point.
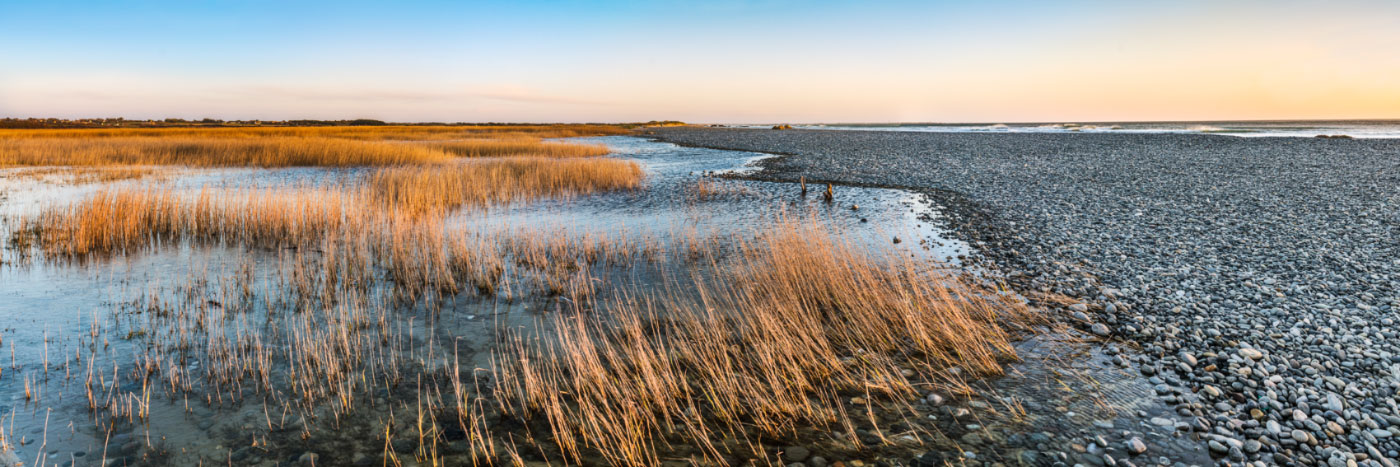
(1306, 129)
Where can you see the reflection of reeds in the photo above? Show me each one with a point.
(711, 189)
(79, 175)
(4, 439)
(287, 147)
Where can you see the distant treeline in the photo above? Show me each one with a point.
(118, 122)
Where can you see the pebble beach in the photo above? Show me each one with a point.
(1258, 277)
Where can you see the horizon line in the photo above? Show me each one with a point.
(633, 122)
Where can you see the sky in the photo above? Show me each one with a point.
(710, 62)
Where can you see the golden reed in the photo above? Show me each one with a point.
(290, 147)
(783, 338)
(127, 219)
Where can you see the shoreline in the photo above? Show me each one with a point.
(973, 222)
(672, 189)
(1065, 213)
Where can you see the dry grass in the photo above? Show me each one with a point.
(479, 183)
(401, 133)
(80, 175)
(502, 165)
(518, 147)
(764, 345)
(288, 147)
(775, 344)
(792, 333)
(211, 152)
(129, 219)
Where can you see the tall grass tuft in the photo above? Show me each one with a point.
(125, 219)
(778, 341)
(478, 183)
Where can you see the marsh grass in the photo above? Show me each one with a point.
(518, 146)
(81, 175)
(430, 172)
(778, 341)
(391, 132)
(131, 219)
(787, 336)
(211, 152)
(741, 345)
(128, 219)
(482, 182)
(289, 147)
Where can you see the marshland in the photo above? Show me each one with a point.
(893, 233)
(567, 294)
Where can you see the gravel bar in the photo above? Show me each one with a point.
(1259, 276)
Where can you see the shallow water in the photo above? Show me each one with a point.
(48, 310)
(1302, 129)
(1068, 403)
(27, 195)
(665, 206)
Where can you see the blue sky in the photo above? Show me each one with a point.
(737, 61)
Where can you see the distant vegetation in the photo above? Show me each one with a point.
(654, 123)
(340, 146)
(424, 170)
(118, 122)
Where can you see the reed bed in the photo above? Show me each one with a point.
(131, 219)
(479, 183)
(786, 336)
(734, 345)
(778, 342)
(498, 147)
(212, 152)
(80, 175)
(288, 147)
(307, 340)
(390, 132)
(128, 219)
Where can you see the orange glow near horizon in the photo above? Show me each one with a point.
(744, 62)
